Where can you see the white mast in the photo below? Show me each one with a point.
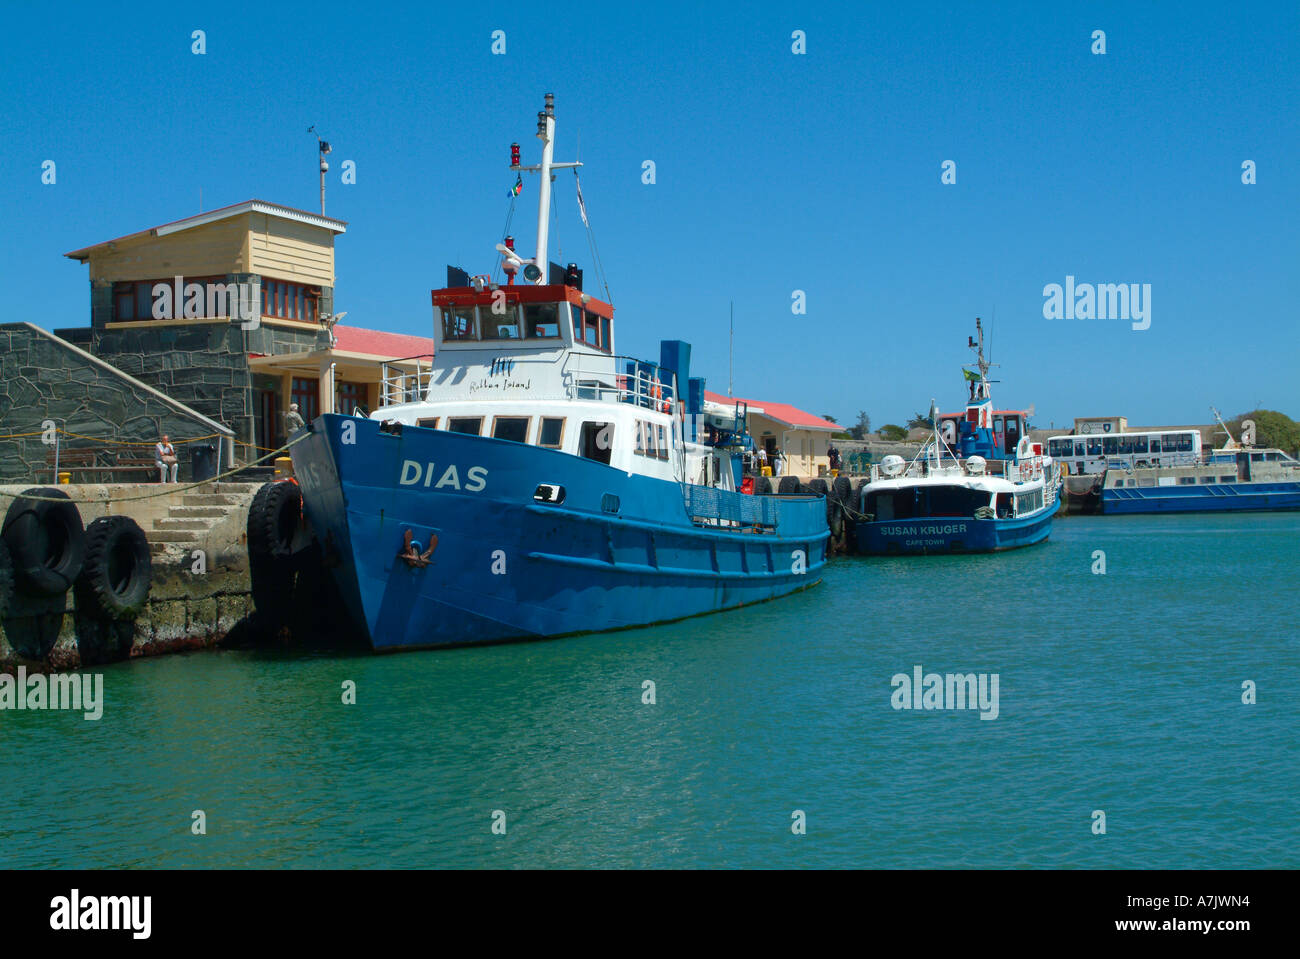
(545, 133)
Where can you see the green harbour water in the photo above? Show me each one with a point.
(1119, 692)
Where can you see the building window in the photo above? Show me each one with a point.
(133, 300)
(306, 393)
(349, 397)
(289, 301)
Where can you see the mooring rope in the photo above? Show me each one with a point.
(168, 488)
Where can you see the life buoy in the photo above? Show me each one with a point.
(46, 541)
(115, 579)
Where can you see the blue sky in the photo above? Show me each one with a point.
(775, 172)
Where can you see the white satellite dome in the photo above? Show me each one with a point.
(892, 465)
(975, 465)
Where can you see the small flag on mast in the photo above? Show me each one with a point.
(582, 207)
(519, 185)
(973, 377)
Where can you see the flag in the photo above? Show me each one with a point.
(519, 185)
(582, 207)
(973, 377)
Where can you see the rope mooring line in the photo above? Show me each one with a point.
(169, 488)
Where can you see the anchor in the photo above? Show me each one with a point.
(410, 551)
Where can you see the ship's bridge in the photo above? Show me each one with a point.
(513, 319)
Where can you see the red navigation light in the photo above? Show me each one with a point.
(514, 154)
(510, 243)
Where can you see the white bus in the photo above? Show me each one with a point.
(1097, 452)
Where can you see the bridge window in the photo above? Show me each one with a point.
(542, 320)
(465, 424)
(428, 422)
(499, 325)
(597, 441)
(513, 428)
(552, 432)
(458, 323)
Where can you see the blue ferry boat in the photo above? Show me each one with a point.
(1236, 477)
(532, 482)
(995, 491)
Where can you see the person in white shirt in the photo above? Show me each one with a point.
(164, 457)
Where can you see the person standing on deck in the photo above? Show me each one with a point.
(164, 457)
(762, 459)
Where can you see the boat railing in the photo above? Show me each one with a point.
(405, 380)
(619, 379)
(710, 506)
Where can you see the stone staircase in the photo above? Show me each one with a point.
(188, 524)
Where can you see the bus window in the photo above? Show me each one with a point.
(1185, 443)
(1125, 444)
(1094, 445)
(1140, 443)
(1169, 442)
(1078, 448)
(1110, 445)
(1155, 444)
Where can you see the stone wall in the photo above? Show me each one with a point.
(204, 365)
(45, 378)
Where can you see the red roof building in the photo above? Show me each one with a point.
(801, 439)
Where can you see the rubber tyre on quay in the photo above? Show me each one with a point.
(842, 492)
(818, 486)
(762, 486)
(273, 520)
(118, 571)
(789, 486)
(46, 541)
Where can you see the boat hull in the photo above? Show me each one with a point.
(931, 535)
(620, 551)
(1211, 498)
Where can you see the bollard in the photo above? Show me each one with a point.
(284, 467)
(65, 479)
